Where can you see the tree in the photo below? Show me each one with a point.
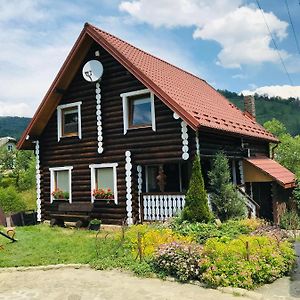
(287, 152)
(226, 202)
(196, 206)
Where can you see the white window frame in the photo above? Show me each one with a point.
(60, 108)
(52, 180)
(125, 97)
(93, 168)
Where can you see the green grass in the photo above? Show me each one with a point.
(43, 245)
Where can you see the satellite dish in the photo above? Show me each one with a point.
(92, 71)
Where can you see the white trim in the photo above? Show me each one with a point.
(93, 168)
(128, 180)
(99, 118)
(125, 96)
(38, 182)
(185, 140)
(52, 180)
(140, 183)
(197, 144)
(59, 118)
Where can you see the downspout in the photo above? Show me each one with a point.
(273, 150)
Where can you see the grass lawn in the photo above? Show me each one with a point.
(44, 245)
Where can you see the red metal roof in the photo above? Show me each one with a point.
(201, 104)
(193, 99)
(272, 168)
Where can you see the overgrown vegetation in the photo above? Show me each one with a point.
(225, 200)
(17, 180)
(196, 207)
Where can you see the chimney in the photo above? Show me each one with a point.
(249, 104)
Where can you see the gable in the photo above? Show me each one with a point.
(191, 98)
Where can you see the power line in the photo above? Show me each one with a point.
(275, 45)
(292, 24)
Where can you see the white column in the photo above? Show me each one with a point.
(241, 168)
(38, 182)
(99, 118)
(128, 167)
(185, 141)
(140, 182)
(197, 143)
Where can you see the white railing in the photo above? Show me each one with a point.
(159, 207)
(252, 206)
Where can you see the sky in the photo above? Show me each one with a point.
(225, 42)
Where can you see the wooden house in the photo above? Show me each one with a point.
(8, 143)
(136, 131)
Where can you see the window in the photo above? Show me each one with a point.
(104, 176)
(69, 120)
(61, 184)
(10, 147)
(138, 110)
(170, 177)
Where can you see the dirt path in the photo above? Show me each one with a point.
(75, 284)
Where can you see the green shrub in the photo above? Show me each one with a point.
(196, 206)
(290, 220)
(200, 232)
(7, 181)
(180, 260)
(10, 200)
(228, 262)
(29, 198)
(225, 200)
(151, 237)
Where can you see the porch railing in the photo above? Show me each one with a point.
(161, 206)
(252, 206)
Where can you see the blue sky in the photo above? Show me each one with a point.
(225, 42)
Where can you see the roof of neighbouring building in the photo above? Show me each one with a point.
(7, 139)
(272, 168)
(192, 98)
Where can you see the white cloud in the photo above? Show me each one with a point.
(282, 91)
(240, 30)
(13, 109)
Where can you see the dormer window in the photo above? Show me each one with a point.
(69, 120)
(138, 110)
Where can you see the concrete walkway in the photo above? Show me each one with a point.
(75, 284)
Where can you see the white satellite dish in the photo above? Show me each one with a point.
(92, 71)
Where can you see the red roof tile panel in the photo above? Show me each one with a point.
(269, 166)
(205, 107)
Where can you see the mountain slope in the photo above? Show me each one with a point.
(286, 111)
(13, 126)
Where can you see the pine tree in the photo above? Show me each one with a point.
(225, 200)
(196, 206)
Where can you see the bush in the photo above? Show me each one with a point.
(290, 220)
(228, 262)
(150, 239)
(180, 260)
(10, 200)
(200, 232)
(196, 206)
(225, 200)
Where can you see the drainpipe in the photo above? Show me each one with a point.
(273, 150)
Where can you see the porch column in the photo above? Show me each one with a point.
(128, 180)
(140, 182)
(241, 169)
(38, 181)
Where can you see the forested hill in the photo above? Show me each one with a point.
(13, 126)
(286, 111)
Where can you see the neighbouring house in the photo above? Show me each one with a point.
(136, 131)
(9, 143)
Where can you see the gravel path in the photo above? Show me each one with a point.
(75, 284)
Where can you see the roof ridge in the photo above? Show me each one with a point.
(139, 49)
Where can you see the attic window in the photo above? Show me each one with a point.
(138, 110)
(69, 120)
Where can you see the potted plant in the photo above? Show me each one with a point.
(95, 224)
(60, 195)
(103, 194)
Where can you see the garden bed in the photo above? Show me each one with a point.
(227, 256)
